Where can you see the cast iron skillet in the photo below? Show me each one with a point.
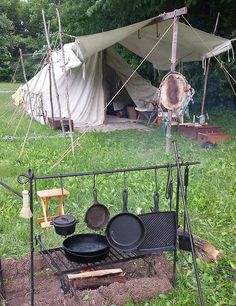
(125, 231)
(97, 216)
(86, 247)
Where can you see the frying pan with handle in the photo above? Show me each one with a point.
(97, 216)
(125, 231)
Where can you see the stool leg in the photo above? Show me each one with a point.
(60, 207)
(45, 206)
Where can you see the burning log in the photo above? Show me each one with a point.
(95, 279)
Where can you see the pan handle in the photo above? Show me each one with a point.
(156, 201)
(95, 201)
(125, 200)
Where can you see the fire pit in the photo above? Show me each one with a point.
(144, 278)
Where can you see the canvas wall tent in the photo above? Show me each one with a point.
(88, 57)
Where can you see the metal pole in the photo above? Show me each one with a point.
(31, 175)
(52, 176)
(200, 296)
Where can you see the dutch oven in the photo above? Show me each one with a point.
(64, 225)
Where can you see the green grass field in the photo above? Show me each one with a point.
(211, 192)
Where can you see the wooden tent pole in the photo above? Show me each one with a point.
(207, 70)
(52, 70)
(172, 69)
(50, 81)
(66, 82)
(26, 82)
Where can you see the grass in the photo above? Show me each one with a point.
(211, 193)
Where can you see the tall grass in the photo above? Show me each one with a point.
(211, 192)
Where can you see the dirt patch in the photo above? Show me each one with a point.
(144, 280)
(113, 123)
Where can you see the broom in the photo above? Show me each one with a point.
(25, 211)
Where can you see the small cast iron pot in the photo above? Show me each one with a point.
(64, 225)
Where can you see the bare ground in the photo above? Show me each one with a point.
(142, 283)
(113, 123)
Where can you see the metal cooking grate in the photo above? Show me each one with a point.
(61, 265)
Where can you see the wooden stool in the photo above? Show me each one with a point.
(44, 196)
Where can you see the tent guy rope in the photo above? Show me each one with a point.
(205, 44)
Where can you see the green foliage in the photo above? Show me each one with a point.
(90, 16)
(211, 192)
(6, 30)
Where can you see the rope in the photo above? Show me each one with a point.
(36, 137)
(42, 62)
(13, 80)
(26, 136)
(72, 36)
(6, 112)
(230, 83)
(77, 141)
(219, 62)
(18, 125)
(13, 117)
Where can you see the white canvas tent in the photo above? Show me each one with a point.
(91, 59)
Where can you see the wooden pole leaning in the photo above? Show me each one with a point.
(52, 71)
(66, 83)
(207, 70)
(172, 69)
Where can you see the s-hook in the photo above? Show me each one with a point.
(169, 186)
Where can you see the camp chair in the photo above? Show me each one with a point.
(149, 113)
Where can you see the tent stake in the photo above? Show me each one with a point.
(207, 70)
(66, 82)
(52, 70)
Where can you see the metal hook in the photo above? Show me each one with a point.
(94, 181)
(156, 178)
(62, 190)
(23, 179)
(124, 180)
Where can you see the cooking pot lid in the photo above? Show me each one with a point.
(64, 220)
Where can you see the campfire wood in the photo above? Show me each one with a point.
(95, 279)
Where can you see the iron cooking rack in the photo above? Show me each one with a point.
(60, 265)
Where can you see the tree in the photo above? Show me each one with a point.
(6, 31)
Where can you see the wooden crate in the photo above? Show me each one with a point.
(213, 137)
(56, 124)
(191, 129)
